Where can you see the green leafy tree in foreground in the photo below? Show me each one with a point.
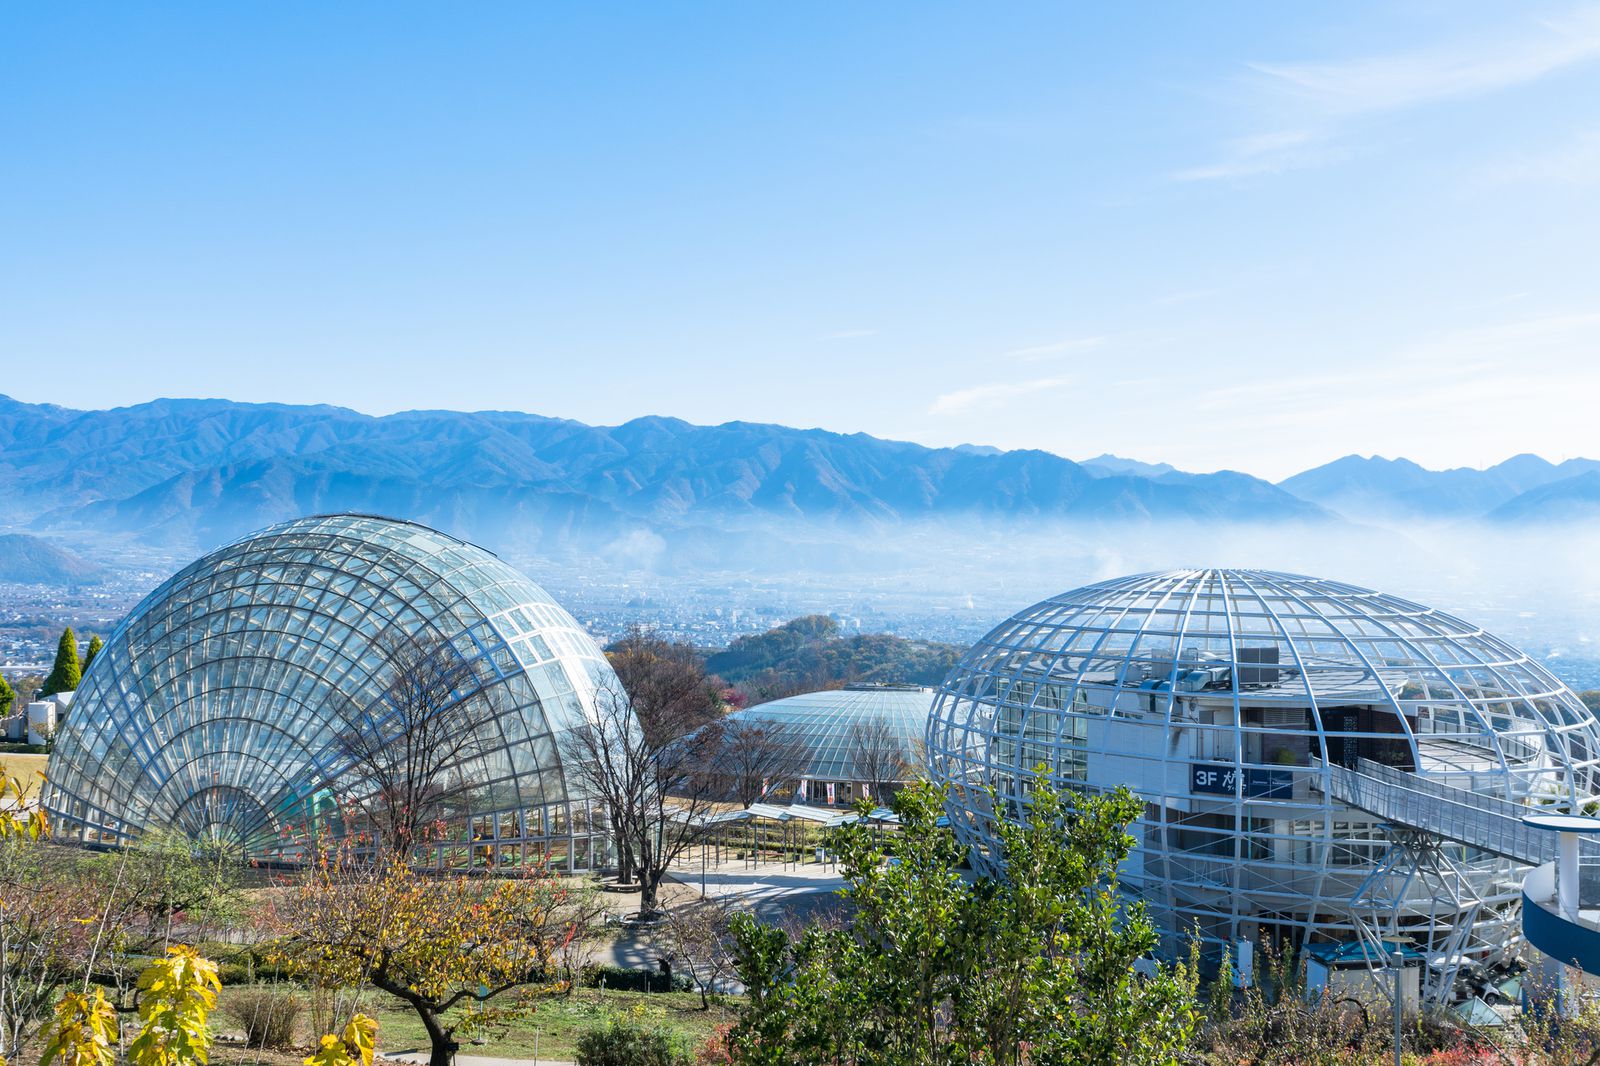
(936, 969)
(66, 673)
(95, 644)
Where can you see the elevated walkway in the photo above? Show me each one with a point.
(1562, 922)
(1487, 823)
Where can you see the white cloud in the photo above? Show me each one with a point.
(1324, 98)
(1269, 153)
(1385, 83)
(1036, 352)
(996, 394)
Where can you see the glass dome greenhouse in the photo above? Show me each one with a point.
(1297, 744)
(848, 739)
(215, 707)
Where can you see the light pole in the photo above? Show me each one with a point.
(1397, 962)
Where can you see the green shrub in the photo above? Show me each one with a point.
(628, 979)
(266, 1013)
(626, 1042)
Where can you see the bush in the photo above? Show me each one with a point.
(628, 979)
(266, 1013)
(625, 1042)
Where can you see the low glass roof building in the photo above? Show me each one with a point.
(847, 738)
(1317, 761)
(216, 707)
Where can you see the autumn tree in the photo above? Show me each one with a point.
(434, 943)
(66, 673)
(411, 756)
(45, 919)
(755, 756)
(666, 684)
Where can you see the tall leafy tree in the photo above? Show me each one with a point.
(67, 672)
(936, 969)
(95, 644)
(8, 697)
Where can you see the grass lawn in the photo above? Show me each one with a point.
(28, 767)
(558, 1021)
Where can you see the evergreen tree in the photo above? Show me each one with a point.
(66, 673)
(95, 644)
(8, 697)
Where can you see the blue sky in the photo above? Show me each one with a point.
(1255, 236)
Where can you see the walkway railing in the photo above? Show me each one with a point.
(1487, 823)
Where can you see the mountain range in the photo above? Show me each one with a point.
(191, 474)
(26, 560)
(1523, 488)
(200, 472)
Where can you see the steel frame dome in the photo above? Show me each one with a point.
(213, 708)
(829, 726)
(1238, 704)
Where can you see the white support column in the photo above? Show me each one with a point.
(1567, 875)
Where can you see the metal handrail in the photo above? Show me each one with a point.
(1488, 823)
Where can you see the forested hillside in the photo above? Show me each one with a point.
(809, 653)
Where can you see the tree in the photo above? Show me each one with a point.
(432, 942)
(666, 684)
(95, 644)
(755, 756)
(164, 879)
(935, 969)
(409, 759)
(698, 939)
(656, 794)
(8, 697)
(66, 673)
(47, 920)
(877, 756)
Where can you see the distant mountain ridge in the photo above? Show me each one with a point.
(188, 474)
(1524, 488)
(201, 472)
(27, 560)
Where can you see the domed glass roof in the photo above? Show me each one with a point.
(1286, 640)
(1246, 709)
(215, 706)
(831, 727)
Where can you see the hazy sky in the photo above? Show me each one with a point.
(1254, 236)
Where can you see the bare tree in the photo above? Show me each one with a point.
(696, 938)
(756, 755)
(666, 683)
(878, 756)
(409, 756)
(656, 794)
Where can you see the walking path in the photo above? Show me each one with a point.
(773, 890)
(421, 1057)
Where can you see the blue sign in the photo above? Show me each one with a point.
(1222, 779)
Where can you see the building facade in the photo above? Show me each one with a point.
(1287, 736)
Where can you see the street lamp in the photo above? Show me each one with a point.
(1397, 961)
